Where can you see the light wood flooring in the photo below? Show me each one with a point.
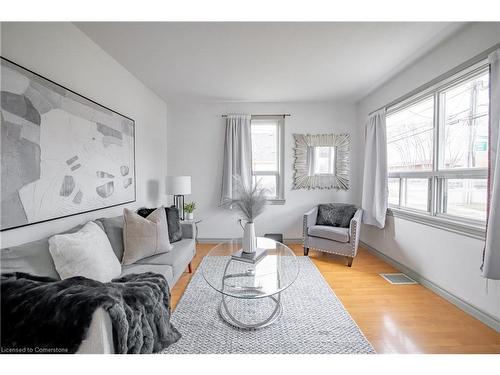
(394, 318)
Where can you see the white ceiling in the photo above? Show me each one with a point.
(266, 61)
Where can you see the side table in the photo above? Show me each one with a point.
(195, 222)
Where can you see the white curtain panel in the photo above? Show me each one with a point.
(375, 190)
(237, 155)
(491, 259)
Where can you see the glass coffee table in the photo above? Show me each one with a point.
(250, 293)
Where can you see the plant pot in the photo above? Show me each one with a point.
(189, 216)
(249, 240)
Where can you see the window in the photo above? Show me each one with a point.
(464, 198)
(410, 136)
(267, 155)
(437, 151)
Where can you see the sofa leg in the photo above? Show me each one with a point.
(306, 251)
(190, 269)
(349, 261)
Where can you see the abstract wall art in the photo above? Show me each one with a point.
(61, 153)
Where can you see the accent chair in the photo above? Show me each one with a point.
(330, 239)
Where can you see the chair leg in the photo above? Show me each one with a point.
(190, 269)
(349, 261)
(306, 251)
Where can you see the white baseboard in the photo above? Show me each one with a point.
(213, 240)
(217, 240)
(294, 241)
(457, 301)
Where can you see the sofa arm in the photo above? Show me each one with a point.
(355, 229)
(99, 339)
(309, 220)
(310, 217)
(188, 230)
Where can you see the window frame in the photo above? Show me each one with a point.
(435, 215)
(280, 145)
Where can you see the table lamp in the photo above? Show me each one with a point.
(178, 186)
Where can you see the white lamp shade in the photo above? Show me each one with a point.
(178, 185)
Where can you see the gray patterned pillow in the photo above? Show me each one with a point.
(335, 214)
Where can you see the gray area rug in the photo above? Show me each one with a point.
(314, 321)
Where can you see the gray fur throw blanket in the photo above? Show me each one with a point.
(40, 312)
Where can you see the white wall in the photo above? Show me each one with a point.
(196, 146)
(449, 260)
(62, 53)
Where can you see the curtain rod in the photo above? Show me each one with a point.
(282, 115)
(474, 60)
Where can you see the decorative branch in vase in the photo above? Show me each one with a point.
(250, 203)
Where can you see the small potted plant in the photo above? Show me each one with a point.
(188, 209)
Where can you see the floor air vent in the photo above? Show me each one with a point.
(398, 278)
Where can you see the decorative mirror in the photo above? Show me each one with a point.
(321, 161)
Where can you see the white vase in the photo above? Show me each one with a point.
(189, 216)
(249, 239)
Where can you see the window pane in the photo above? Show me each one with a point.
(267, 182)
(415, 193)
(410, 137)
(324, 160)
(264, 145)
(465, 198)
(394, 191)
(465, 108)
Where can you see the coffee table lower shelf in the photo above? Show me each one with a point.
(230, 318)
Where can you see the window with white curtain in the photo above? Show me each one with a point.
(437, 150)
(267, 155)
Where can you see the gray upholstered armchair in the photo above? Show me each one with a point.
(335, 240)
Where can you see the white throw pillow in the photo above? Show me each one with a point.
(85, 253)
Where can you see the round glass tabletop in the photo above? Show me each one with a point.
(275, 271)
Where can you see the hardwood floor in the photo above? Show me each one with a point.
(394, 318)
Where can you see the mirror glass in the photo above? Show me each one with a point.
(321, 160)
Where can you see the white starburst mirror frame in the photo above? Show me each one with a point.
(321, 161)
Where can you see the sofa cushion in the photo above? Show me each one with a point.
(31, 257)
(328, 232)
(173, 221)
(113, 227)
(335, 214)
(86, 253)
(162, 269)
(174, 224)
(181, 254)
(144, 237)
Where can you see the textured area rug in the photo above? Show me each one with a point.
(313, 321)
